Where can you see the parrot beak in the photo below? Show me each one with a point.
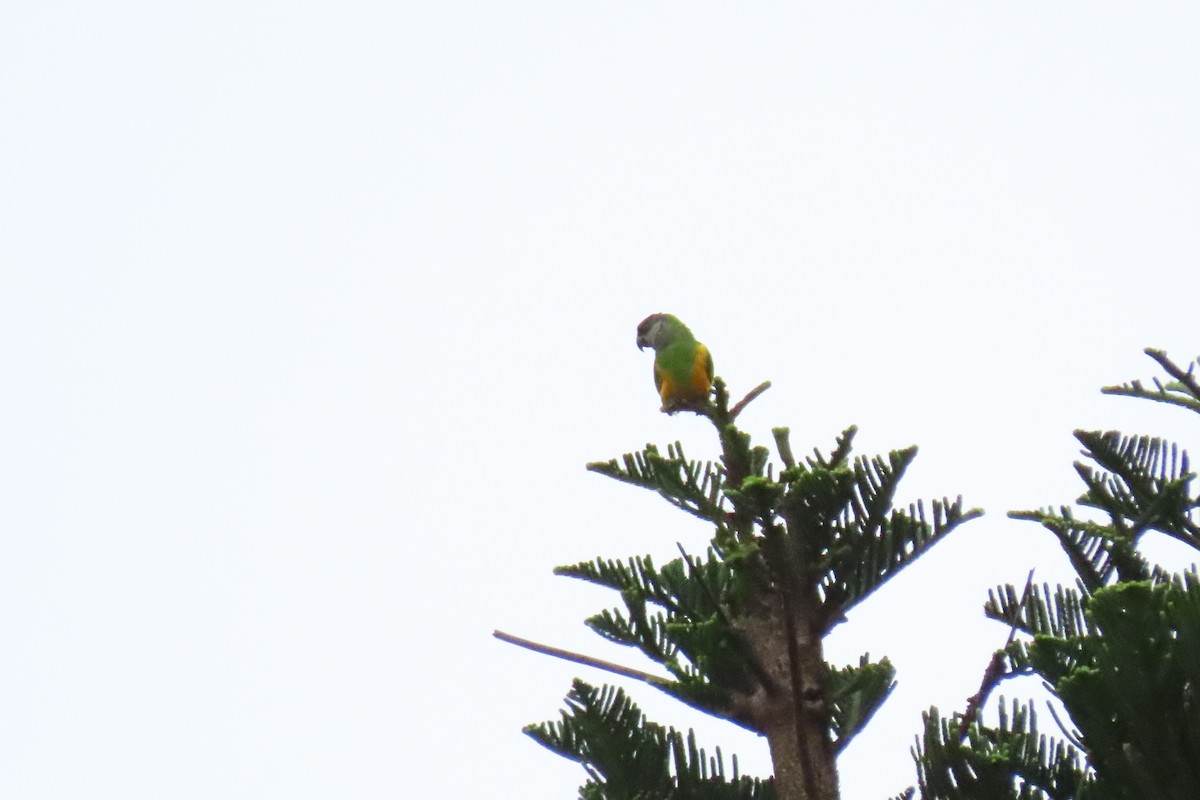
(641, 343)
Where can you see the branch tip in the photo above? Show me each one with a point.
(579, 658)
(748, 399)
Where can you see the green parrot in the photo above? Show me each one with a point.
(683, 368)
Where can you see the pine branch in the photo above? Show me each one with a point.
(698, 598)
(1038, 612)
(1012, 761)
(784, 446)
(1097, 552)
(1184, 391)
(1146, 485)
(866, 552)
(690, 486)
(855, 694)
(839, 455)
(628, 756)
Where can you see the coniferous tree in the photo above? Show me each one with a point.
(739, 628)
(1120, 650)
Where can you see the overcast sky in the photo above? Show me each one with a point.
(312, 313)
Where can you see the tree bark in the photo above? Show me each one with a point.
(792, 712)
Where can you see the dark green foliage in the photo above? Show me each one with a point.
(628, 757)
(853, 537)
(1120, 650)
(856, 693)
(1144, 485)
(1010, 761)
(1132, 691)
(688, 485)
(677, 616)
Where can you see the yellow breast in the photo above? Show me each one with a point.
(697, 385)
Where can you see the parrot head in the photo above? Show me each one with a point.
(658, 330)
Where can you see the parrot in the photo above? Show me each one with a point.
(683, 368)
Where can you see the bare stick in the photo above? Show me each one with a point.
(745, 401)
(994, 672)
(579, 658)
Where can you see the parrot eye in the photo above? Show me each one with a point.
(650, 330)
(648, 324)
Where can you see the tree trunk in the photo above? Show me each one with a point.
(794, 713)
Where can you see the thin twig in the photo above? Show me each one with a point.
(745, 401)
(1070, 737)
(579, 658)
(1185, 377)
(995, 669)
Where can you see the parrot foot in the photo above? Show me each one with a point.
(695, 406)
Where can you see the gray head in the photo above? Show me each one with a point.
(658, 330)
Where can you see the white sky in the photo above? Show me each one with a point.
(312, 313)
